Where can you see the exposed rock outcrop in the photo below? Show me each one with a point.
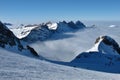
(8, 38)
(32, 51)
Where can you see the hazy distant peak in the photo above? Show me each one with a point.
(113, 26)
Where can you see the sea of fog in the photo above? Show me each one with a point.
(67, 48)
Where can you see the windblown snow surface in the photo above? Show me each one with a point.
(61, 47)
(17, 67)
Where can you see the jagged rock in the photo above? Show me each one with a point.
(32, 50)
(77, 25)
(80, 24)
(63, 27)
(8, 38)
(110, 42)
(72, 24)
(45, 31)
(106, 44)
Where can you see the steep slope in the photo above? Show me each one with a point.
(11, 43)
(7, 38)
(106, 45)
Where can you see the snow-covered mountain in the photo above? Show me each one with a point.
(7, 38)
(106, 45)
(10, 42)
(45, 31)
(69, 26)
(104, 56)
(62, 55)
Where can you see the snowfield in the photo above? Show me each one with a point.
(17, 67)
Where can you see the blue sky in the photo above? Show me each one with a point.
(37, 11)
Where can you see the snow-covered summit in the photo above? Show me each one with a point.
(22, 31)
(107, 45)
(113, 26)
(104, 56)
(52, 26)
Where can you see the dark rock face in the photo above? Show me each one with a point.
(8, 38)
(72, 25)
(109, 41)
(77, 25)
(97, 40)
(39, 33)
(8, 24)
(32, 51)
(80, 24)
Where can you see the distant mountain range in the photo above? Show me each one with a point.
(42, 32)
(43, 49)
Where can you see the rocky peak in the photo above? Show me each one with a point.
(80, 24)
(106, 40)
(72, 24)
(8, 38)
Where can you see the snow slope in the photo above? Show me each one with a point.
(17, 67)
(52, 26)
(22, 31)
